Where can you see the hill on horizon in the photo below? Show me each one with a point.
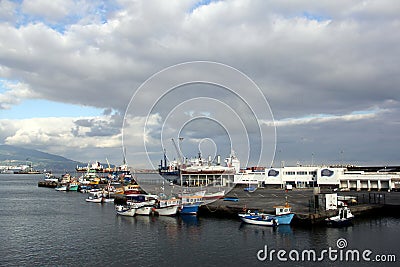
(13, 155)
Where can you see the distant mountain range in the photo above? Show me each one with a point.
(13, 155)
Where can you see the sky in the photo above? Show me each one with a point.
(299, 82)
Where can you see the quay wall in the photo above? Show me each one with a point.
(301, 201)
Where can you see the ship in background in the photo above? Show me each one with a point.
(169, 169)
(198, 171)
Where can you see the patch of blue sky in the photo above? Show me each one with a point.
(4, 84)
(316, 17)
(365, 112)
(97, 11)
(201, 3)
(38, 108)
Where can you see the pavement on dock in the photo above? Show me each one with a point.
(265, 199)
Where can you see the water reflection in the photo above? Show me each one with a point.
(281, 229)
(190, 220)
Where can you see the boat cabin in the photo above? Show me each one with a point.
(286, 209)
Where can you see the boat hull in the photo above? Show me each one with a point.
(284, 218)
(146, 210)
(125, 211)
(190, 209)
(62, 188)
(94, 200)
(73, 188)
(167, 211)
(107, 200)
(259, 220)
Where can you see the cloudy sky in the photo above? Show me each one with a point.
(76, 79)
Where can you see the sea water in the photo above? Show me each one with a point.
(43, 227)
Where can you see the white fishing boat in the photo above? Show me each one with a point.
(49, 177)
(95, 197)
(343, 218)
(143, 203)
(62, 187)
(125, 210)
(167, 207)
(144, 208)
(107, 199)
(258, 219)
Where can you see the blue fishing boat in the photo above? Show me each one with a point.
(191, 203)
(283, 214)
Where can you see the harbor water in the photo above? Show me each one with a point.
(43, 227)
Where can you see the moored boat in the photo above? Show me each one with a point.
(49, 177)
(191, 204)
(283, 214)
(73, 186)
(143, 203)
(62, 187)
(343, 218)
(125, 210)
(211, 197)
(95, 197)
(258, 218)
(167, 207)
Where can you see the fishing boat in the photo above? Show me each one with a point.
(283, 214)
(191, 203)
(258, 218)
(144, 208)
(211, 197)
(132, 190)
(62, 187)
(343, 218)
(107, 199)
(143, 203)
(95, 196)
(108, 193)
(49, 177)
(125, 210)
(167, 207)
(73, 186)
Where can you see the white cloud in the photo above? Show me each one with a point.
(14, 93)
(7, 11)
(326, 118)
(57, 134)
(51, 10)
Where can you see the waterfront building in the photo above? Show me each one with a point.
(341, 177)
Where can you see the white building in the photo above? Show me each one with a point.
(354, 178)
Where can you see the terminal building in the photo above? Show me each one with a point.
(341, 177)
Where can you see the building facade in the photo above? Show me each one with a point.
(344, 178)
